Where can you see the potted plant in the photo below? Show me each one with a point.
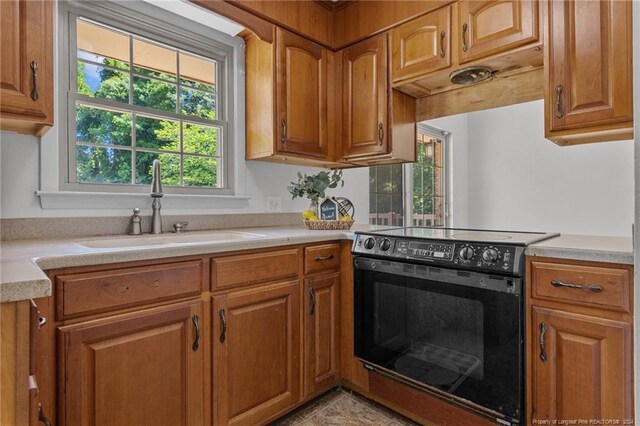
(315, 186)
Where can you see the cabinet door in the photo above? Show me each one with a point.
(26, 92)
(589, 70)
(256, 353)
(321, 333)
(138, 368)
(365, 98)
(301, 95)
(488, 27)
(422, 46)
(587, 371)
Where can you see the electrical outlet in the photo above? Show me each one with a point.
(274, 204)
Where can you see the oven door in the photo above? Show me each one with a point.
(447, 331)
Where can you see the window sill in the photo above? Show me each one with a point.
(67, 200)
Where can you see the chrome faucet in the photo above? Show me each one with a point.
(156, 194)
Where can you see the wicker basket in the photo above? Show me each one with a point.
(328, 225)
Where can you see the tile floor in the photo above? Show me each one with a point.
(343, 408)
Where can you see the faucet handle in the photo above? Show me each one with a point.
(178, 226)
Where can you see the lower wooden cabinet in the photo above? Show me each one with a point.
(140, 368)
(579, 341)
(321, 333)
(582, 367)
(256, 353)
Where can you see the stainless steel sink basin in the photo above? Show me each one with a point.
(165, 239)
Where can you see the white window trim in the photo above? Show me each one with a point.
(407, 178)
(55, 192)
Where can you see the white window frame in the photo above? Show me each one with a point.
(154, 24)
(407, 178)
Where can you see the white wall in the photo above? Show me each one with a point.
(518, 180)
(20, 176)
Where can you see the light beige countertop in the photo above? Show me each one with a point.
(585, 247)
(23, 262)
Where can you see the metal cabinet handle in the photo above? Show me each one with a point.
(596, 288)
(543, 331)
(34, 70)
(196, 328)
(283, 123)
(223, 335)
(380, 133)
(442, 34)
(559, 112)
(464, 36)
(42, 321)
(41, 417)
(312, 293)
(321, 258)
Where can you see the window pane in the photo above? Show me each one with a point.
(154, 94)
(96, 125)
(199, 139)
(102, 82)
(153, 60)
(438, 181)
(200, 171)
(102, 45)
(157, 133)
(197, 72)
(437, 154)
(384, 178)
(169, 168)
(103, 165)
(200, 104)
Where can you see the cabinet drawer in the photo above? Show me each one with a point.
(601, 287)
(232, 271)
(321, 258)
(85, 293)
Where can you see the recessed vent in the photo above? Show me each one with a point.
(471, 75)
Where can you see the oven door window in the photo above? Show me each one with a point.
(462, 340)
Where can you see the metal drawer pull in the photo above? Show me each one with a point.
(596, 288)
(41, 417)
(283, 123)
(442, 34)
(320, 258)
(42, 321)
(464, 36)
(312, 293)
(196, 327)
(34, 69)
(543, 330)
(223, 335)
(380, 133)
(559, 112)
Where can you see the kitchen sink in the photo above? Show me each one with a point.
(165, 239)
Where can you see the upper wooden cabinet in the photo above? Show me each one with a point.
(378, 123)
(422, 46)
(488, 27)
(26, 69)
(145, 367)
(589, 93)
(301, 100)
(365, 98)
(287, 93)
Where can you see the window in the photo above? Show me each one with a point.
(133, 99)
(425, 204)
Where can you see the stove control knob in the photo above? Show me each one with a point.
(385, 244)
(369, 243)
(466, 253)
(490, 255)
